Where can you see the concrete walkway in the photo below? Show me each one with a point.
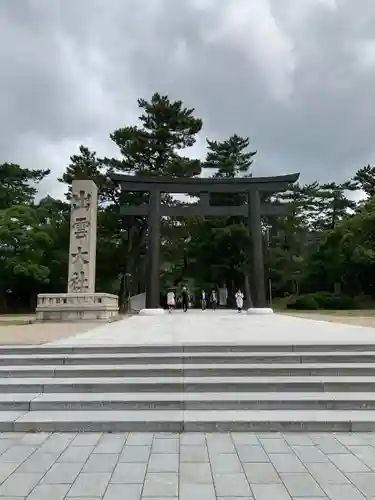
(187, 466)
(228, 327)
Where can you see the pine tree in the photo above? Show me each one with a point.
(155, 147)
(18, 184)
(230, 158)
(365, 180)
(86, 166)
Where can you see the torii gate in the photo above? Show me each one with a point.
(254, 187)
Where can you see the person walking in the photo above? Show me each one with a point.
(239, 300)
(185, 299)
(203, 300)
(213, 300)
(171, 300)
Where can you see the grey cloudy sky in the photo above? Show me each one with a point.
(297, 76)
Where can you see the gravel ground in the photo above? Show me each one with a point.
(39, 333)
(336, 318)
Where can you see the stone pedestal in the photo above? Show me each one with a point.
(260, 310)
(80, 302)
(77, 307)
(152, 312)
(137, 302)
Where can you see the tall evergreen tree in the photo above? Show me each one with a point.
(332, 204)
(230, 158)
(221, 254)
(155, 147)
(364, 179)
(86, 165)
(18, 184)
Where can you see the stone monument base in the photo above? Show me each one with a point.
(77, 307)
(260, 310)
(152, 312)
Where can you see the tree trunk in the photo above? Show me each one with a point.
(248, 292)
(121, 293)
(3, 301)
(124, 292)
(33, 301)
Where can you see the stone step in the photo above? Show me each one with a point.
(103, 384)
(279, 421)
(104, 358)
(190, 401)
(191, 370)
(17, 402)
(188, 384)
(189, 420)
(253, 347)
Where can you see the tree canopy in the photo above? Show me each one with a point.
(326, 242)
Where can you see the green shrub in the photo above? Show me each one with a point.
(324, 300)
(331, 301)
(304, 302)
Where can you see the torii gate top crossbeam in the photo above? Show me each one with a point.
(204, 184)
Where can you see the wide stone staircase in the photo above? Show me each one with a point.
(188, 388)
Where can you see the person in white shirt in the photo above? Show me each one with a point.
(213, 300)
(239, 300)
(171, 300)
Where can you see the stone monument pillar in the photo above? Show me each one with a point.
(81, 302)
(82, 247)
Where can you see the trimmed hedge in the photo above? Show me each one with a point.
(324, 300)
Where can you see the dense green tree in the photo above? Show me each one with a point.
(229, 158)
(332, 204)
(23, 246)
(364, 179)
(315, 210)
(217, 249)
(154, 148)
(347, 254)
(288, 239)
(167, 128)
(87, 166)
(18, 185)
(54, 219)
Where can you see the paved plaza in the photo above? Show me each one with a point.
(197, 466)
(220, 327)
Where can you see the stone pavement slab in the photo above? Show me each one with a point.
(215, 466)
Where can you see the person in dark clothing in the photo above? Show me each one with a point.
(203, 300)
(185, 299)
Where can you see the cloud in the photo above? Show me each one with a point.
(297, 76)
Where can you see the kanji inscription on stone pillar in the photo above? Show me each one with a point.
(82, 248)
